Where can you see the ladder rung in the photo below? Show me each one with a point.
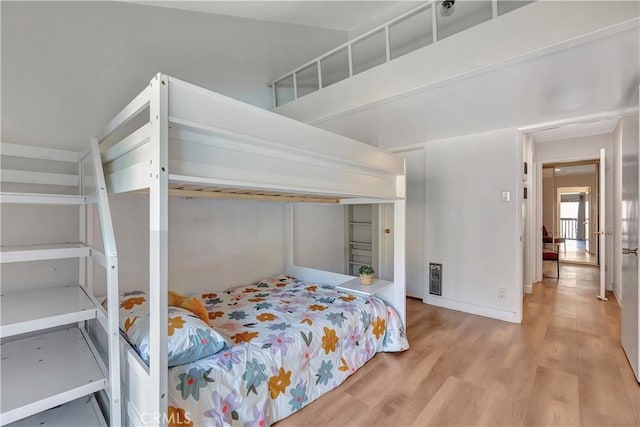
(29, 311)
(43, 252)
(42, 199)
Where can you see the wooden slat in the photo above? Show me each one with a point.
(244, 196)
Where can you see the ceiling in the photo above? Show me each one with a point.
(578, 130)
(333, 15)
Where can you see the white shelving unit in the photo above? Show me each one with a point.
(361, 223)
(50, 368)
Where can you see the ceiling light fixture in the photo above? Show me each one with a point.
(447, 7)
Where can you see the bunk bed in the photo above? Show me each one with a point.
(177, 139)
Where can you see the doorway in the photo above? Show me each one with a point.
(571, 211)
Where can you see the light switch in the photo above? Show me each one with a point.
(506, 196)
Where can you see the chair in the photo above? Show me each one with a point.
(552, 256)
(546, 238)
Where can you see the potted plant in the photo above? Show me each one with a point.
(366, 274)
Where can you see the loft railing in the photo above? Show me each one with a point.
(569, 228)
(414, 29)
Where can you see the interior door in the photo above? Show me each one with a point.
(630, 229)
(602, 235)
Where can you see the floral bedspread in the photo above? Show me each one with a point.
(293, 342)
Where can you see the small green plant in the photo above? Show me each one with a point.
(366, 270)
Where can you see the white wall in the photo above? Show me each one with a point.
(585, 148)
(319, 237)
(213, 244)
(68, 67)
(469, 230)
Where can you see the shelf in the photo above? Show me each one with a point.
(361, 243)
(42, 199)
(83, 412)
(354, 285)
(42, 372)
(43, 252)
(358, 263)
(23, 312)
(360, 223)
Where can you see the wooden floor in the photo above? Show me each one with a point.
(575, 251)
(563, 366)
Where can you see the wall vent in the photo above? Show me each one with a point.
(435, 279)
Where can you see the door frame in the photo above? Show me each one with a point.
(534, 263)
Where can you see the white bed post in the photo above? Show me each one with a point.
(158, 255)
(399, 277)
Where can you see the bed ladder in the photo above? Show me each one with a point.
(55, 370)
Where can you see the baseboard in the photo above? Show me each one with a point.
(493, 313)
(528, 289)
(616, 292)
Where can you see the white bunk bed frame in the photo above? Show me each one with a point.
(178, 139)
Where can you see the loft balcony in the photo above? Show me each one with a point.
(430, 45)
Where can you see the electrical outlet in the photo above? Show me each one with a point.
(502, 292)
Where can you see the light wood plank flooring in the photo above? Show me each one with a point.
(563, 366)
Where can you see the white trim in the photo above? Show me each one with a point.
(40, 153)
(43, 252)
(30, 177)
(528, 289)
(127, 144)
(494, 313)
(139, 103)
(42, 199)
(589, 118)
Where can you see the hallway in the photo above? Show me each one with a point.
(563, 366)
(575, 251)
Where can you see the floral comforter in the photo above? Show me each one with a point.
(293, 342)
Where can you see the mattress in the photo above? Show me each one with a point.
(292, 342)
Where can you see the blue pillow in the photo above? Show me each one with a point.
(189, 338)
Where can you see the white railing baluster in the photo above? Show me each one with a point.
(434, 22)
(273, 93)
(349, 44)
(387, 43)
(295, 86)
